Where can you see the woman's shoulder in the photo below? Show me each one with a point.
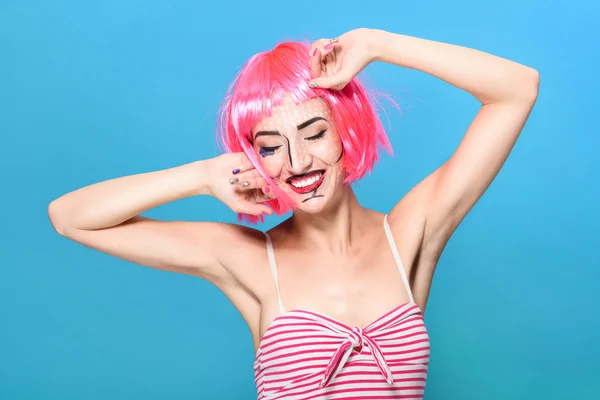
(281, 230)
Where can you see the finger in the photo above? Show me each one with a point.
(267, 193)
(325, 45)
(261, 198)
(317, 44)
(330, 45)
(336, 81)
(249, 207)
(243, 176)
(321, 48)
(314, 63)
(262, 209)
(250, 183)
(244, 164)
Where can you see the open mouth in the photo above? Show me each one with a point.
(306, 183)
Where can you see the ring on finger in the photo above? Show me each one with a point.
(233, 180)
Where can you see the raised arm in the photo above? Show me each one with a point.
(507, 92)
(106, 216)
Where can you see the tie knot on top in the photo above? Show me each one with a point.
(356, 338)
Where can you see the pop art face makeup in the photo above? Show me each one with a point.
(301, 150)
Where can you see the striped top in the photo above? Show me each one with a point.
(308, 355)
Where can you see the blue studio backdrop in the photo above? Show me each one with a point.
(95, 90)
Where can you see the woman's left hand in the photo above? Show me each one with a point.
(335, 62)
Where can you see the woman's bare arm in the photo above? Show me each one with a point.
(507, 92)
(106, 216)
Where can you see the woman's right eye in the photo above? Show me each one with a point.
(268, 151)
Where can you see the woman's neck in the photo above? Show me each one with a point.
(337, 229)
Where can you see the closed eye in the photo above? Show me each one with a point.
(268, 151)
(317, 136)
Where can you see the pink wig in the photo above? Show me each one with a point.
(262, 84)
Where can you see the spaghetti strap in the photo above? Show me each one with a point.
(273, 266)
(390, 237)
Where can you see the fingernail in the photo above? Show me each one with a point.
(328, 46)
(315, 52)
(235, 171)
(246, 183)
(314, 84)
(233, 180)
(267, 189)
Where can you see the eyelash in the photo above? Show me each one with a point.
(317, 136)
(269, 151)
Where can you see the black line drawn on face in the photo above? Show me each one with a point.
(298, 127)
(340, 157)
(314, 194)
(289, 148)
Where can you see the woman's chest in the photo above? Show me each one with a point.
(354, 289)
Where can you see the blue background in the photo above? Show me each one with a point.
(90, 92)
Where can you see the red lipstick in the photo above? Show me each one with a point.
(309, 188)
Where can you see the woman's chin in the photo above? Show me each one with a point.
(312, 203)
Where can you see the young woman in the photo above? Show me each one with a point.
(334, 295)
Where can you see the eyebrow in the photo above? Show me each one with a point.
(310, 121)
(300, 127)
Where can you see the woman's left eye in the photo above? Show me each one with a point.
(317, 136)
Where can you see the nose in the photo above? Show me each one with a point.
(299, 161)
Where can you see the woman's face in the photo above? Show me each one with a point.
(301, 151)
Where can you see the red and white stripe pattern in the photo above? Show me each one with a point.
(308, 355)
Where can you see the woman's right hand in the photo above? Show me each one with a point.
(235, 182)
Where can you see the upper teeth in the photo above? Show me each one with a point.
(305, 182)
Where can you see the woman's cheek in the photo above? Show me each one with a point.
(328, 151)
(272, 166)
